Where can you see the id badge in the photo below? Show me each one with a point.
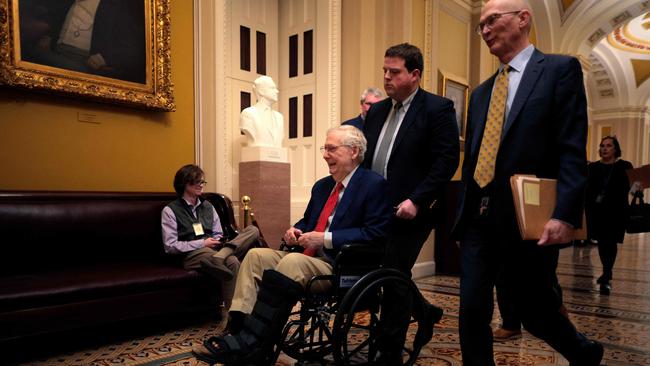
(198, 229)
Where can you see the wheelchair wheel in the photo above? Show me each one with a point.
(307, 335)
(358, 324)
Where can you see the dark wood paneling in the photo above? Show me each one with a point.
(261, 52)
(308, 57)
(293, 56)
(244, 48)
(244, 100)
(306, 115)
(293, 117)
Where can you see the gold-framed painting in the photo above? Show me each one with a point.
(112, 51)
(456, 89)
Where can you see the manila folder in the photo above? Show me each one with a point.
(534, 200)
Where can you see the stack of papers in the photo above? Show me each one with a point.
(534, 205)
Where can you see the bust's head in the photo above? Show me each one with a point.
(265, 89)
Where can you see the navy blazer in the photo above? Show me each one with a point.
(545, 134)
(356, 122)
(362, 216)
(425, 151)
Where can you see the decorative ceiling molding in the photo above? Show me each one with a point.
(606, 93)
(600, 78)
(596, 36)
(620, 19)
(623, 112)
(633, 36)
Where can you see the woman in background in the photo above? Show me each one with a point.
(607, 205)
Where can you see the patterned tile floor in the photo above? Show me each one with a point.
(620, 321)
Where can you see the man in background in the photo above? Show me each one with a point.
(369, 97)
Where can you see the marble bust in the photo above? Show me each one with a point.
(263, 126)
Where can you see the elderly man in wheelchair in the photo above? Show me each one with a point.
(349, 206)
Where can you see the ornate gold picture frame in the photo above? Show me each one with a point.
(114, 51)
(454, 88)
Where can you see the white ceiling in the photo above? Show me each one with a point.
(582, 30)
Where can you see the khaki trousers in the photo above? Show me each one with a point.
(296, 266)
(237, 248)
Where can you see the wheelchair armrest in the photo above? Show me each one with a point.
(355, 260)
(357, 253)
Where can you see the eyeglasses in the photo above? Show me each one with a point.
(200, 183)
(330, 149)
(489, 21)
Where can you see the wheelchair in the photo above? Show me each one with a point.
(343, 324)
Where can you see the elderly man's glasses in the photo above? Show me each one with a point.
(330, 148)
(489, 21)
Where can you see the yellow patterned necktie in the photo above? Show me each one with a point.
(487, 155)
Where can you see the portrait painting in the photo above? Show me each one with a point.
(113, 51)
(458, 93)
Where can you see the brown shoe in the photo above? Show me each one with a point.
(502, 334)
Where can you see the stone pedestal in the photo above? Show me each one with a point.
(269, 186)
(262, 153)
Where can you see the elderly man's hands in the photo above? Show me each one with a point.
(291, 236)
(312, 240)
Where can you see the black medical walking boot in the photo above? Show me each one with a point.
(253, 345)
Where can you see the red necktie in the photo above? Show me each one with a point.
(329, 207)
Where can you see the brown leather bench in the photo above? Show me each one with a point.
(76, 259)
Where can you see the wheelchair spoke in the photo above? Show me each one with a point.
(358, 325)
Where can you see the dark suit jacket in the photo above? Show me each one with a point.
(425, 152)
(356, 122)
(362, 216)
(607, 220)
(545, 134)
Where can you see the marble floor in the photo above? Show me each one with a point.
(620, 321)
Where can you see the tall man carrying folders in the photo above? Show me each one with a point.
(529, 118)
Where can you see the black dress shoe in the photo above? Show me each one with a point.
(434, 314)
(605, 289)
(388, 359)
(592, 354)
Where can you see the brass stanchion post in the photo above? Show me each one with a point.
(247, 209)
